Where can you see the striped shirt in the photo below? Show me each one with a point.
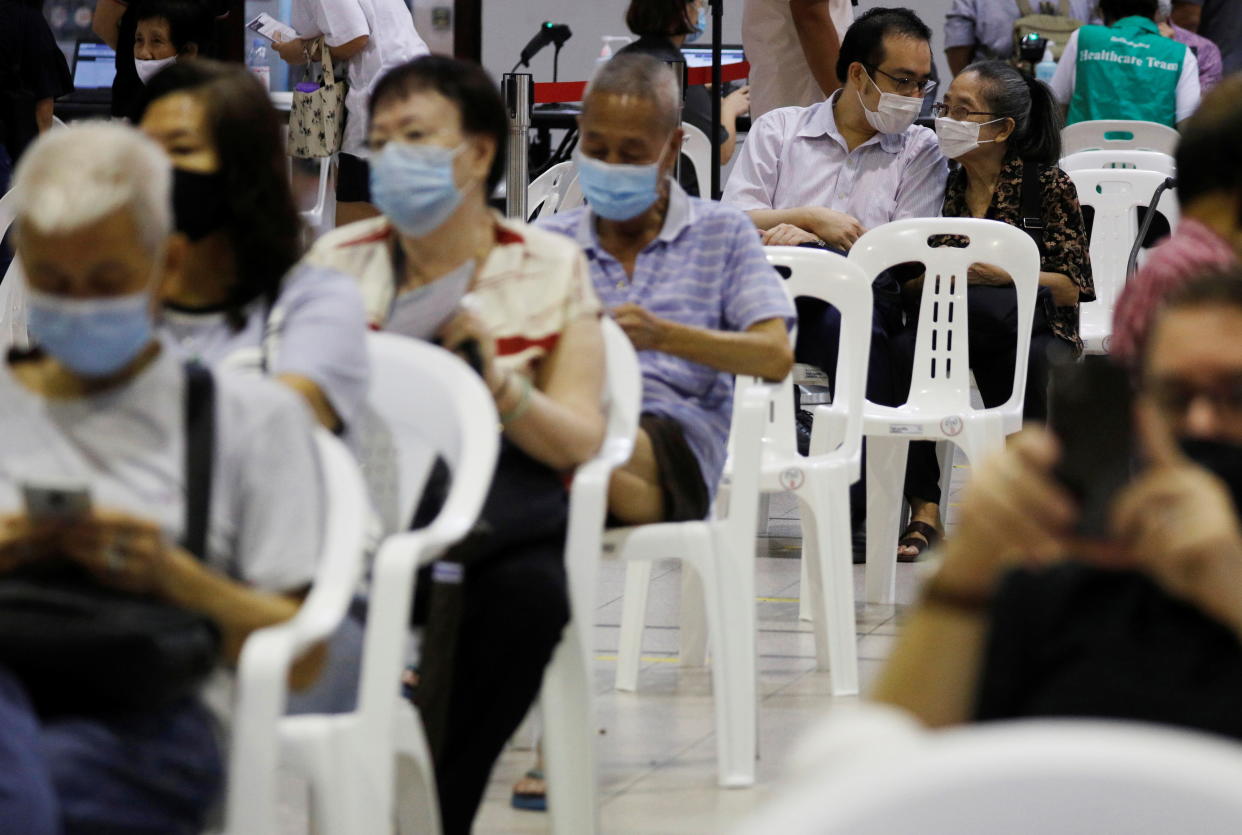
(706, 269)
(532, 285)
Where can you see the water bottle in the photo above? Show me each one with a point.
(256, 60)
(1047, 67)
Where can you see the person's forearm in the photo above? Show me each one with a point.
(958, 58)
(745, 352)
(237, 609)
(767, 218)
(44, 109)
(1065, 292)
(348, 49)
(315, 397)
(549, 431)
(106, 22)
(933, 670)
(821, 43)
(728, 124)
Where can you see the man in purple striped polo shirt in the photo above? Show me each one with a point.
(685, 278)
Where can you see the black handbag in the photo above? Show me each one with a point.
(81, 648)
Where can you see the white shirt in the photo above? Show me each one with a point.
(127, 445)
(391, 41)
(1188, 89)
(779, 73)
(796, 157)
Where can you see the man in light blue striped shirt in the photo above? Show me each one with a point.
(685, 278)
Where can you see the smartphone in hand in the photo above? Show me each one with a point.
(1091, 413)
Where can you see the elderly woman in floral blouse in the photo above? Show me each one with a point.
(1004, 130)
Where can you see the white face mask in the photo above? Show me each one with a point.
(895, 114)
(957, 139)
(148, 69)
(421, 312)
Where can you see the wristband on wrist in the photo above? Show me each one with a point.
(523, 403)
(937, 595)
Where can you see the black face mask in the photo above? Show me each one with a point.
(1221, 458)
(200, 203)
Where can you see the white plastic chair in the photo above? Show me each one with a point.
(1119, 134)
(13, 287)
(371, 767)
(320, 218)
(545, 193)
(1142, 160)
(720, 551)
(698, 148)
(939, 406)
(572, 197)
(566, 699)
(1115, 195)
(269, 654)
(1033, 777)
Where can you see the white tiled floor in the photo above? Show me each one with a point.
(657, 746)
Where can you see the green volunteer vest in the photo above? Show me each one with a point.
(1126, 71)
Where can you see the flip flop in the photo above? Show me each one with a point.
(907, 541)
(531, 801)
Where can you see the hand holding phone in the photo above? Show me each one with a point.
(1091, 413)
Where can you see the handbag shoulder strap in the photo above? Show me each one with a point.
(1024, 8)
(325, 58)
(200, 448)
(1032, 204)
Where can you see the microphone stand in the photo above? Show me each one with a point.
(717, 90)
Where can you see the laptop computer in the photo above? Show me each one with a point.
(701, 56)
(94, 67)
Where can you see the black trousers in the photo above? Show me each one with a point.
(818, 344)
(488, 639)
(513, 611)
(993, 349)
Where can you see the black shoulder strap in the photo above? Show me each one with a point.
(200, 447)
(1032, 220)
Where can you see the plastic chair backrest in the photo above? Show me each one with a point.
(698, 148)
(623, 392)
(831, 278)
(572, 196)
(1115, 194)
(8, 209)
(1070, 777)
(1142, 160)
(545, 193)
(941, 380)
(1119, 134)
(262, 680)
(429, 403)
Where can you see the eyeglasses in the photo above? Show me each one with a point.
(958, 112)
(905, 86)
(1175, 398)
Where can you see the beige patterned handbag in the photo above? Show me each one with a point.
(317, 119)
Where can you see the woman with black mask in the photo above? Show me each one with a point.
(242, 299)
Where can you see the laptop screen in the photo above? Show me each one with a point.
(701, 56)
(94, 65)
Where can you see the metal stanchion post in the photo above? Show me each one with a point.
(519, 90)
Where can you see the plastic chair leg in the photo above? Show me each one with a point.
(805, 609)
(417, 806)
(886, 478)
(633, 620)
(692, 636)
(569, 740)
(732, 635)
(309, 746)
(831, 567)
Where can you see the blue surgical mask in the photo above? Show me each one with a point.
(91, 337)
(700, 26)
(414, 186)
(615, 191)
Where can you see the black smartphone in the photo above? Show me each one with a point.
(1090, 409)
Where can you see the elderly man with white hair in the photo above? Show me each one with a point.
(175, 509)
(685, 278)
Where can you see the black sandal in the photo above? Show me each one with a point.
(907, 541)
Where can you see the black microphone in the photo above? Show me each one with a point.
(549, 33)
